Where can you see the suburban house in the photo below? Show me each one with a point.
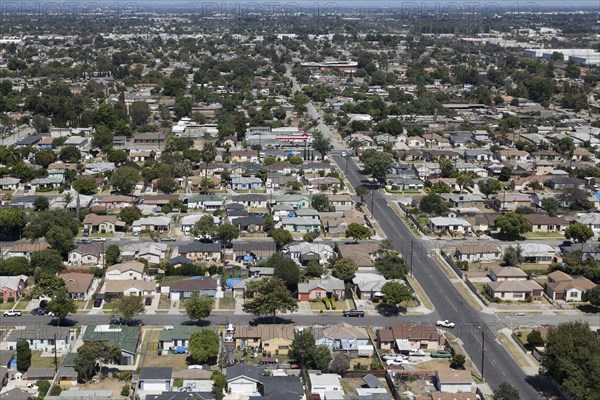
(499, 274)
(126, 337)
(26, 249)
(342, 336)
(513, 290)
(562, 286)
(592, 220)
(305, 252)
(128, 287)
(565, 182)
(205, 202)
(200, 251)
(447, 225)
(9, 183)
(12, 287)
(116, 202)
(130, 270)
(537, 253)
(41, 339)
(296, 201)
(243, 183)
(155, 379)
(250, 223)
(87, 254)
(341, 202)
(301, 225)
(102, 223)
(454, 381)
(79, 285)
(477, 252)
(202, 287)
(156, 224)
(244, 379)
(272, 340)
(368, 285)
(511, 201)
(546, 223)
(175, 336)
(404, 337)
(317, 289)
(363, 254)
(322, 384)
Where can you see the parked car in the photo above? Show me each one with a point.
(99, 239)
(394, 362)
(43, 303)
(168, 239)
(97, 302)
(84, 241)
(416, 353)
(12, 313)
(38, 311)
(441, 354)
(148, 301)
(354, 313)
(445, 324)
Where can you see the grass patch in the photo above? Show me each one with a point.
(38, 361)
(420, 292)
(317, 305)
(22, 305)
(468, 295)
(164, 302)
(108, 306)
(6, 306)
(151, 357)
(81, 305)
(514, 350)
(227, 303)
(351, 384)
(169, 280)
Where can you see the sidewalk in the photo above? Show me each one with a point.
(532, 369)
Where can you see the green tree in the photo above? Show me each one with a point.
(321, 144)
(204, 345)
(117, 156)
(139, 112)
(103, 138)
(319, 358)
(511, 225)
(197, 307)
(592, 296)
(48, 285)
(391, 266)
(183, 106)
(550, 205)
(396, 293)
(513, 256)
(433, 204)
(12, 221)
(571, 359)
(91, 353)
(85, 186)
(208, 155)
(321, 203)
(128, 307)
(69, 154)
(281, 238)
(228, 232)
(219, 384)
(268, 296)
(489, 186)
(572, 71)
(55, 390)
(130, 214)
(377, 163)
(48, 260)
(284, 268)
(506, 391)
(344, 269)
(534, 338)
(62, 305)
(579, 232)
(23, 356)
(45, 158)
(166, 184)
(41, 203)
(358, 232)
(464, 180)
(303, 343)
(61, 239)
(313, 270)
(458, 361)
(43, 387)
(205, 226)
(124, 179)
(113, 254)
(440, 187)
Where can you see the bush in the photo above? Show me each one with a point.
(534, 339)
(1, 300)
(55, 390)
(43, 387)
(10, 300)
(125, 390)
(178, 382)
(124, 375)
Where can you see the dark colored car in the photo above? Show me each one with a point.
(148, 301)
(43, 303)
(97, 302)
(354, 313)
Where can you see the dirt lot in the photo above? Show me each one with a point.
(151, 357)
(107, 384)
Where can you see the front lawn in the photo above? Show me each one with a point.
(38, 361)
(227, 303)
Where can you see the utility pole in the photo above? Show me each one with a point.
(412, 244)
(55, 356)
(346, 170)
(372, 209)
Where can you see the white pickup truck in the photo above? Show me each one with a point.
(12, 313)
(445, 324)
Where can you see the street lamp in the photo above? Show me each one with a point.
(482, 351)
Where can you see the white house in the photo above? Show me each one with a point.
(454, 381)
(155, 379)
(304, 252)
(121, 288)
(243, 379)
(41, 339)
(448, 225)
(157, 224)
(325, 383)
(125, 271)
(591, 220)
(477, 252)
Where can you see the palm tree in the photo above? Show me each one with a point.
(208, 154)
(67, 198)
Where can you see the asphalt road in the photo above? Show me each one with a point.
(471, 328)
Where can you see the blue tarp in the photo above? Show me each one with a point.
(248, 257)
(229, 282)
(291, 215)
(180, 350)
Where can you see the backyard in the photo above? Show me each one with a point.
(150, 357)
(38, 361)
